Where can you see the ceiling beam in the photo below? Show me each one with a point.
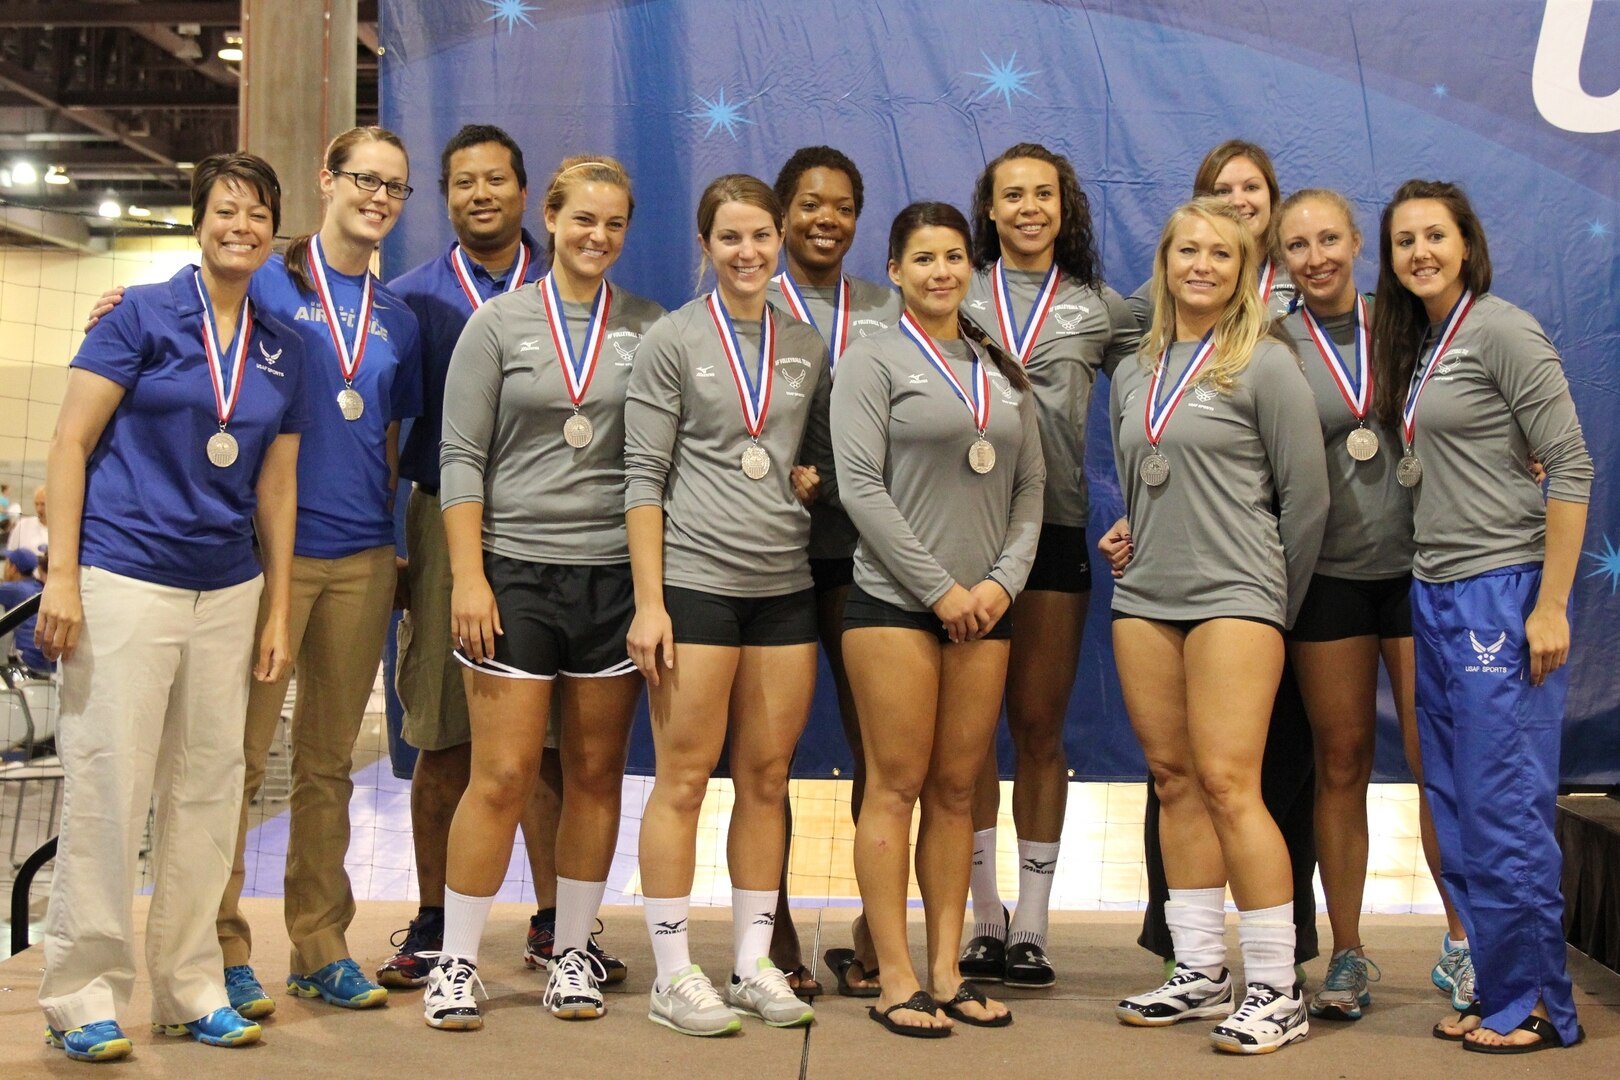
(15, 78)
(126, 14)
(209, 97)
(63, 230)
(210, 67)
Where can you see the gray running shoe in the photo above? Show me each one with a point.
(691, 1005)
(767, 995)
(1344, 991)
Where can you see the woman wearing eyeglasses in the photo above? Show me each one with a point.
(362, 376)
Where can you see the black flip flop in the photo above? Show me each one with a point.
(918, 1002)
(1547, 1038)
(802, 991)
(839, 961)
(1472, 1010)
(968, 992)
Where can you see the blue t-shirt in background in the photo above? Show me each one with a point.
(343, 493)
(155, 508)
(433, 292)
(13, 593)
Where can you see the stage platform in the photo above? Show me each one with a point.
(1589, 833)
(1069, 1031)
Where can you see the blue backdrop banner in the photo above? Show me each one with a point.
(1513, 98)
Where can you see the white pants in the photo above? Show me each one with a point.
(153, 702)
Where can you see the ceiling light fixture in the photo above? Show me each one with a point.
(56, 176)
(109, 208)
(23, 173)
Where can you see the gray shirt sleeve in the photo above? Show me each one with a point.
(1286, 420)
(472, 395)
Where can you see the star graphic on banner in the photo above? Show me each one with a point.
(720, 113)
(511, 12)
(1597, 230)
(1005, 78)
(1608, 561)
(1440, 89)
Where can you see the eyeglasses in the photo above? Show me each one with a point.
(397, 189)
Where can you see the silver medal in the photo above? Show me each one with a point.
(222, 449)
(981, 456)
(1362, 444)
(755, 462)
(1409, 473)
(577, 431)
(350, 403)
(1155, 469)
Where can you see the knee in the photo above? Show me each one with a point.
(951, 796)
(1172, 781)
(1039, 741)
(1345, 769)
(1228, 792)
(893, 794)
(503, 786)
(594, 776)
(681, 792)
(761, 780)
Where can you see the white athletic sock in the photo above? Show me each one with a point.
(1197, 922)
(1453, 944)
(753, 920)
(1266, 938)
(1036, 864)
(577, 904)
(666, 925)
(464, 919)
(989, 919)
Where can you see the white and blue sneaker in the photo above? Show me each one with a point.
(340, 983)
(1344, 992)
(1268, 1020)
(222, 1027)
(101, 1040)
(1187, 995)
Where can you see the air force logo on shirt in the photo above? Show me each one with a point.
(1069, 317)
(269, 365)
(793, 371)
(1485, 651)
(624, 351)
(1448, 363)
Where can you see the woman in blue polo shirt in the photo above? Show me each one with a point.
(176, 437)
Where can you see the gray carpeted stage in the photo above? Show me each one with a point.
(1064, 1033)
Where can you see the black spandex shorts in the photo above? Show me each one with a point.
(1187, 626)
(558, 619)
(864, 609)
(1339, 608)
(1062, 562)
(830, 574)
(704, 618)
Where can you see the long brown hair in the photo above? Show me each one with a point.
(924, 215)
(337, 156)
(1400, 321)
(1075, 250)
(730, 188)
(1217, 159)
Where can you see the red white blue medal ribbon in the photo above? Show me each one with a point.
(1356, 385)
(514, 282)
(1156, 413)
(1021, 345)
(577, 369)
(979, 402)
(226, 393)
(755, 398)
(349, 356)
(1453, 323)
(838, 340)
(1268, 278)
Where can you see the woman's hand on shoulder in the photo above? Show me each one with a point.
(105, 303)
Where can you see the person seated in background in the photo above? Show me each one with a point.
(18, 581)
(30, 532)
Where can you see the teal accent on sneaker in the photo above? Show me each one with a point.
(222, 1027)
(101, 1040)
(340, 983)
(247, 993)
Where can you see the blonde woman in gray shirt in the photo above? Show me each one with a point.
(1220, 460)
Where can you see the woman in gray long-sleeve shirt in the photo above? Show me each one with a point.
(728, 394)
(1478, 388)
(1214, 427)
(532, 490)
(1357, 609)
(1038, 292)
(940, 467)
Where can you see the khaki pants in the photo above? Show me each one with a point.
(339, 619)
(153, 700)
(428, 679)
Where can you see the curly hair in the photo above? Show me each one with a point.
(1075, 250)
(806, 158)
